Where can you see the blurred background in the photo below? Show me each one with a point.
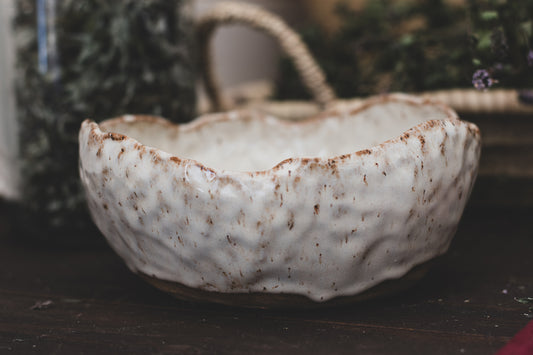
(65, 60)
(8, 131)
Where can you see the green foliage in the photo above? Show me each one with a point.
(113, 57)
(414, 46)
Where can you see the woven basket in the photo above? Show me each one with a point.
(506, 171)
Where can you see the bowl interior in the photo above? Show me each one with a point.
(248, 141)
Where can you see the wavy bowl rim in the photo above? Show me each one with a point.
(97, 134)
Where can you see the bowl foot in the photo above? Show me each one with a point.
(283, 300)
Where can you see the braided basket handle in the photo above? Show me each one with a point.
(229, 13)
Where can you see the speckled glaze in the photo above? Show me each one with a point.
(244, 203)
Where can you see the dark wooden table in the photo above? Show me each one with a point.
(465, 305)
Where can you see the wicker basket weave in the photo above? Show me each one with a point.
(506, 171)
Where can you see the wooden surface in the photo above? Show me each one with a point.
(465, 305)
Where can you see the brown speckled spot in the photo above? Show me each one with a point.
(364, 152)
(364, 180)
(317, 209)
(422, 142)
(443, 144)
(155, 157)
(290, 223)
(242, 218)
(230, 241)
(116, 136)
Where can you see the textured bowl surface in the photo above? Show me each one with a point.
(245, 203)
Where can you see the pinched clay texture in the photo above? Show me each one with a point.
(321, 227)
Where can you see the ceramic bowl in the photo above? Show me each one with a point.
(246, 209)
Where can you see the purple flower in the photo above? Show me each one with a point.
(482, 80)
(530, 58)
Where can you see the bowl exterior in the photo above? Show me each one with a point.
(321, 228)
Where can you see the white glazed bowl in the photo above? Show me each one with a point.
(243, 203)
